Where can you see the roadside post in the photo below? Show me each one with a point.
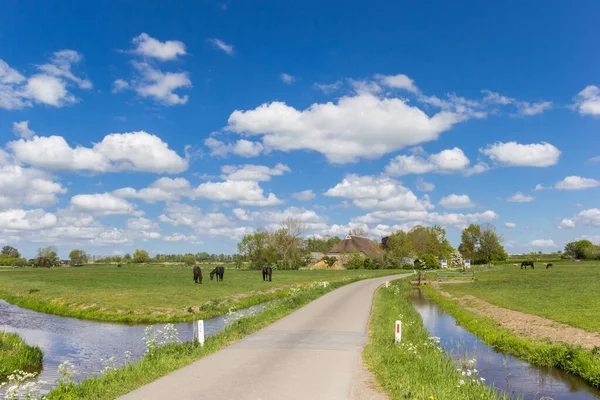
(398, 331)
(200, 332)
(444, 263)
(467, 263)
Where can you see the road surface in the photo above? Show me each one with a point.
(312, 354)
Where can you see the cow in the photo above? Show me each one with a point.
(524, 264)
(197, 274)
(218, 271)
(267, 272)
(548, 265)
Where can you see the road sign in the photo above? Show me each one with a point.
(444, 263)
(398, 331)
(467, 263)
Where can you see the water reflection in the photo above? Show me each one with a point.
(506, 373)
(85, 343)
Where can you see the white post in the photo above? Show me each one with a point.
(387, 284)
(398, 331)
(200, 332)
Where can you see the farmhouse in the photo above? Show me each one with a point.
(355, 244)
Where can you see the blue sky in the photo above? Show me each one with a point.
(178, 127)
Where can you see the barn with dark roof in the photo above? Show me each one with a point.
(356, 244)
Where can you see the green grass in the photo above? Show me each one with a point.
(173, 357)
(568, 292)
(572, 359)
(402, 374)
(15, 354)
(150, 294)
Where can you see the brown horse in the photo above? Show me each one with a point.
(267, 272)
(219, 271)
(197, 274)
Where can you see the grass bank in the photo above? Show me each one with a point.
(572, 359)
(152, 293)
(417, 368)
(172, 357)
(567, 292)
(15, 354)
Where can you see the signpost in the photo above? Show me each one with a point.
(398, 331)
(467, 263)
(200, 332)
(444, 263)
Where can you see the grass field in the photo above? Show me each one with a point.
(569, 292)
(151, 293)
(15, 354)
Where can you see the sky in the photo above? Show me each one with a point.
(178, 127)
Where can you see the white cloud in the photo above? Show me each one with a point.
(520, 198)
(496, 98)
(424, 186)
(103, 204)
(27, 186)
(287, 79)
(211, 224)
(478, 168)
(221, 45)
(457, 201)
(119, 85)
(251, 172)
(161, 85)
(528, 109)
(134, 151)
(399, 81)
(589, 217)
(360, 126)
(513, 154)
(48, 90)
(576, 183)
(150, 47)
(16, 219)
(510, 225)
(9, 75)
(539, 187)
(247, 193)
(305, 195)
(163, 189)
(242, 148)
(378, 193)
(180, 237)
(542, 243)
(566, 223)
(587, 102)
(594, 159)
(60, 67)
(448, 160)
(426, 217)
(141, 224)
(328, 87)
(22, 130)
(595, 239)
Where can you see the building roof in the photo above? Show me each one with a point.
(356, 243)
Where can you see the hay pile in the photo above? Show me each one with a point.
(323, 265)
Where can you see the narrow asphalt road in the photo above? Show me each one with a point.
(312, 354)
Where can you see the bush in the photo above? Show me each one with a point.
(369, 263)
(408, 266)
(429, 261)
(13, 261)
(355, 261)
(330, 261)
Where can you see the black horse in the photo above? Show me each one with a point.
(548, 265)
(218, 271)
(267, 272)
(197, 274)
(524, 264)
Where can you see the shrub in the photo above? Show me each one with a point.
(429, 261)
(369, 263)
(355, 261)
(408, 266)
(330, 261)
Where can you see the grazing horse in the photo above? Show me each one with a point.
(548, 265)
(197, 274)
(267, 272)
(524, 264)
(219, 271)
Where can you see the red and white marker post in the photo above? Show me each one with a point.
(398, 331)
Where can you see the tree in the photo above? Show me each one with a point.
(255, 248)
(330, 261)
(321, 245)
(399, 247)
(189, 259)
(355, 261)
(577, 249)
(357, 231)
(456, 259)
(287, 244)
(469, 243)
(140, 256)
(481, 244)
(9, 251)
(47, 257)
(127, 258)
(78, 257)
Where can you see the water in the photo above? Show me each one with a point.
(85, 343)
(508, 374)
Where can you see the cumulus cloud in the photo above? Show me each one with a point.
(328, 87)
(513, 154)
(242, 148)
(426, 217)
(424, 186)
(119, 85)
(49, 86)
(221, 45)
(149, 47)
(510, 225)
(103, 204)
(457, 201)
(576, 183)
(339, 130)
(520, 198)
(24, 220)
(211, 224)
(180, 237)
(248, 193)
(529, 109)
(134, 151)
(448, 160)
(305, 195)
(251, 172)
(589, 217)
(378, 193)
(542, 243)
(27, 186)
(587, 102)
(22, 130)
(539, 187)
(160, 85)
(287, 78)
(399, 81)
(163, 189)
(566, 223)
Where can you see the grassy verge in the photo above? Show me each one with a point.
(417, 368)
(172, 357)
(150, 294)
(15, 354)
(573, 359)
